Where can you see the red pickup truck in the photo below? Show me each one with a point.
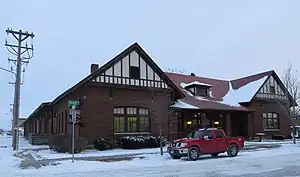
(205, 141)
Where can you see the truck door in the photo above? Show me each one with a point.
(208, 144)
(221, 141)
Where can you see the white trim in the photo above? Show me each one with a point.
(133, 133)
(183, 105)
(184, 85)
(271, 130)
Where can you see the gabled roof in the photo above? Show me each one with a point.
(226, 94)
(244, 93)
(244, 89)
(113, 61)
(41, 106)
(240, 82)
(219, 89)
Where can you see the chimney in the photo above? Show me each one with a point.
(193, 74)
(94, 67)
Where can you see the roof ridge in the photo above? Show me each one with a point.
(253, 75)
(196, 76)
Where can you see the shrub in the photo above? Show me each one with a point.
(289, 137)
(51, 142)
(104, 144)
(139, 142)
(63, 144)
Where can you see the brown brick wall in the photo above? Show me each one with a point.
(97, 106)
(270, 106)
(97, 109)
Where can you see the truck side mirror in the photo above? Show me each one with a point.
(205, 137)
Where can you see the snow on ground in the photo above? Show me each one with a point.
(156, 165)
(24, 144)
(270, 142)
(49, 154)
(8, 162)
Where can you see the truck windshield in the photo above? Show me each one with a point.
(195, 134)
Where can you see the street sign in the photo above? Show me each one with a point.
(73, 102)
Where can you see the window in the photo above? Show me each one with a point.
(209, 134)
(201, 91)
(58, 124)
(196, 119)
(219, 134)
(144, 120)
(270, 120)
(272, 89)
(134, 72)
(119, 124)
(66, 121)
(132, 124)
(198, 134)
(62, 122)
(131, 119)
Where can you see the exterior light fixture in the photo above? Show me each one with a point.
(216, 122)
(189, 122)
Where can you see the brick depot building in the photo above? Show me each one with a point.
(131, 95)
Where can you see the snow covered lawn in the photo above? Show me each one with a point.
(8, 162)
(24, 144)
(269, 141)
(156, 165)
(49, 154)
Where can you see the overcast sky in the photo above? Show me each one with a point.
(221, 39)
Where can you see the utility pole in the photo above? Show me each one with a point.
(18, 50)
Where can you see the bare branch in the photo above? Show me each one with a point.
(292, 83)
(178, 71)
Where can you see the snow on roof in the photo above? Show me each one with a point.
(201, 97)
(243, 94)
(183, 105)
(183, 85)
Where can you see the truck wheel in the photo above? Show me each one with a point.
(232, 150)
(175, 157)
(194, 153)
(214, 154)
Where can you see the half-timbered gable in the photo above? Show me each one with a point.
(272, 89)
(133, 67)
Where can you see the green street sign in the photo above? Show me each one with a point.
(73, 102)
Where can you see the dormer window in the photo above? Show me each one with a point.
(199, 89)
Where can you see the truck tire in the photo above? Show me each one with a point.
(175, 157)
(214, 154)
(233, 150)
(193, 153)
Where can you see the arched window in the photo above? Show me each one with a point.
(131, 119)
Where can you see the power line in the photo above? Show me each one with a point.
(18, 51)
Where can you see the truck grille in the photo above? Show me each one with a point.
(176, 144)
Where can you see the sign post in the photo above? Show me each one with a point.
(73, 130)
(73, 103)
